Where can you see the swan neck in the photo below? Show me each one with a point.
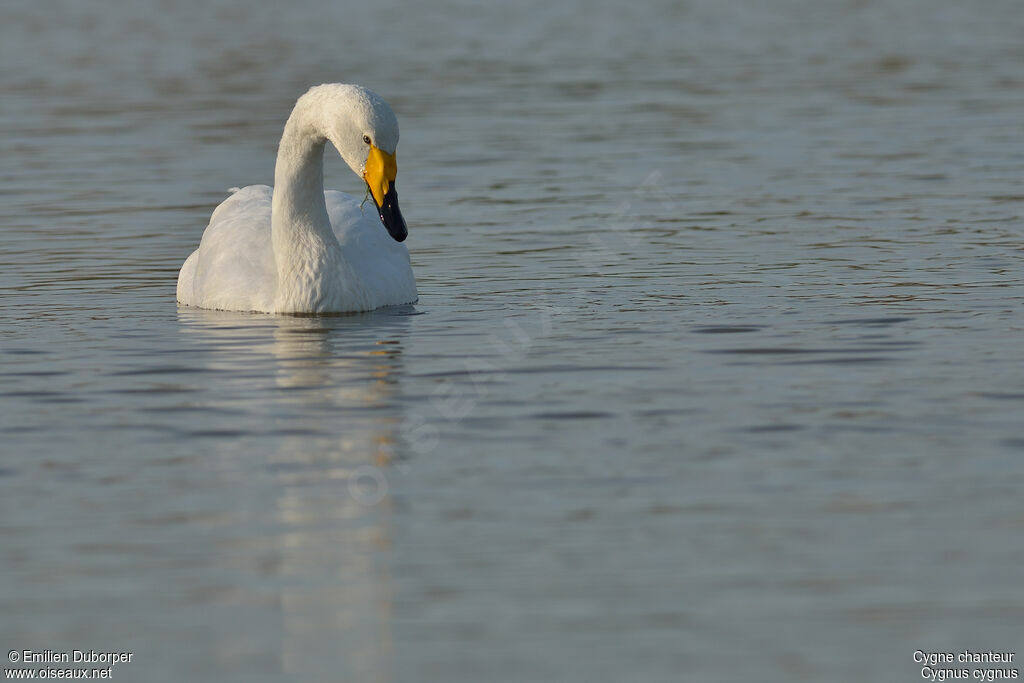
(299, 174)
(306, 251)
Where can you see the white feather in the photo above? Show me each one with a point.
(290, 251)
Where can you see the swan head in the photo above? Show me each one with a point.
(364, 130)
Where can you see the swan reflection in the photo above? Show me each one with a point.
(326, 391)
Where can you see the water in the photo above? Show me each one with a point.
(716, 370)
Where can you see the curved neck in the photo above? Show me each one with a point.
(306, 250)
(298, 202)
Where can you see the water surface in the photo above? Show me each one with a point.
(716, 369)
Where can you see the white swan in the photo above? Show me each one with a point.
(294, 248)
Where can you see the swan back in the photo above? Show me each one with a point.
(233, 268)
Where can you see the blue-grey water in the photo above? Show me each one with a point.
(716, 374)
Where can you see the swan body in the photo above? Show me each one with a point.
(294, 248)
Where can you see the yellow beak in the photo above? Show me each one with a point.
(381, 169)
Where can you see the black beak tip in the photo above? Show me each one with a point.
(396, 228)
(391, 216)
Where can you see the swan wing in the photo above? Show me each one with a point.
(379, 262)
(233, 268)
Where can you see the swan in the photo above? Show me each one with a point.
(294, 248)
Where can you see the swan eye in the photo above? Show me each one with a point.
(366, 139)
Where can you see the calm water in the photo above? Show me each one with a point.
(716, 372)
